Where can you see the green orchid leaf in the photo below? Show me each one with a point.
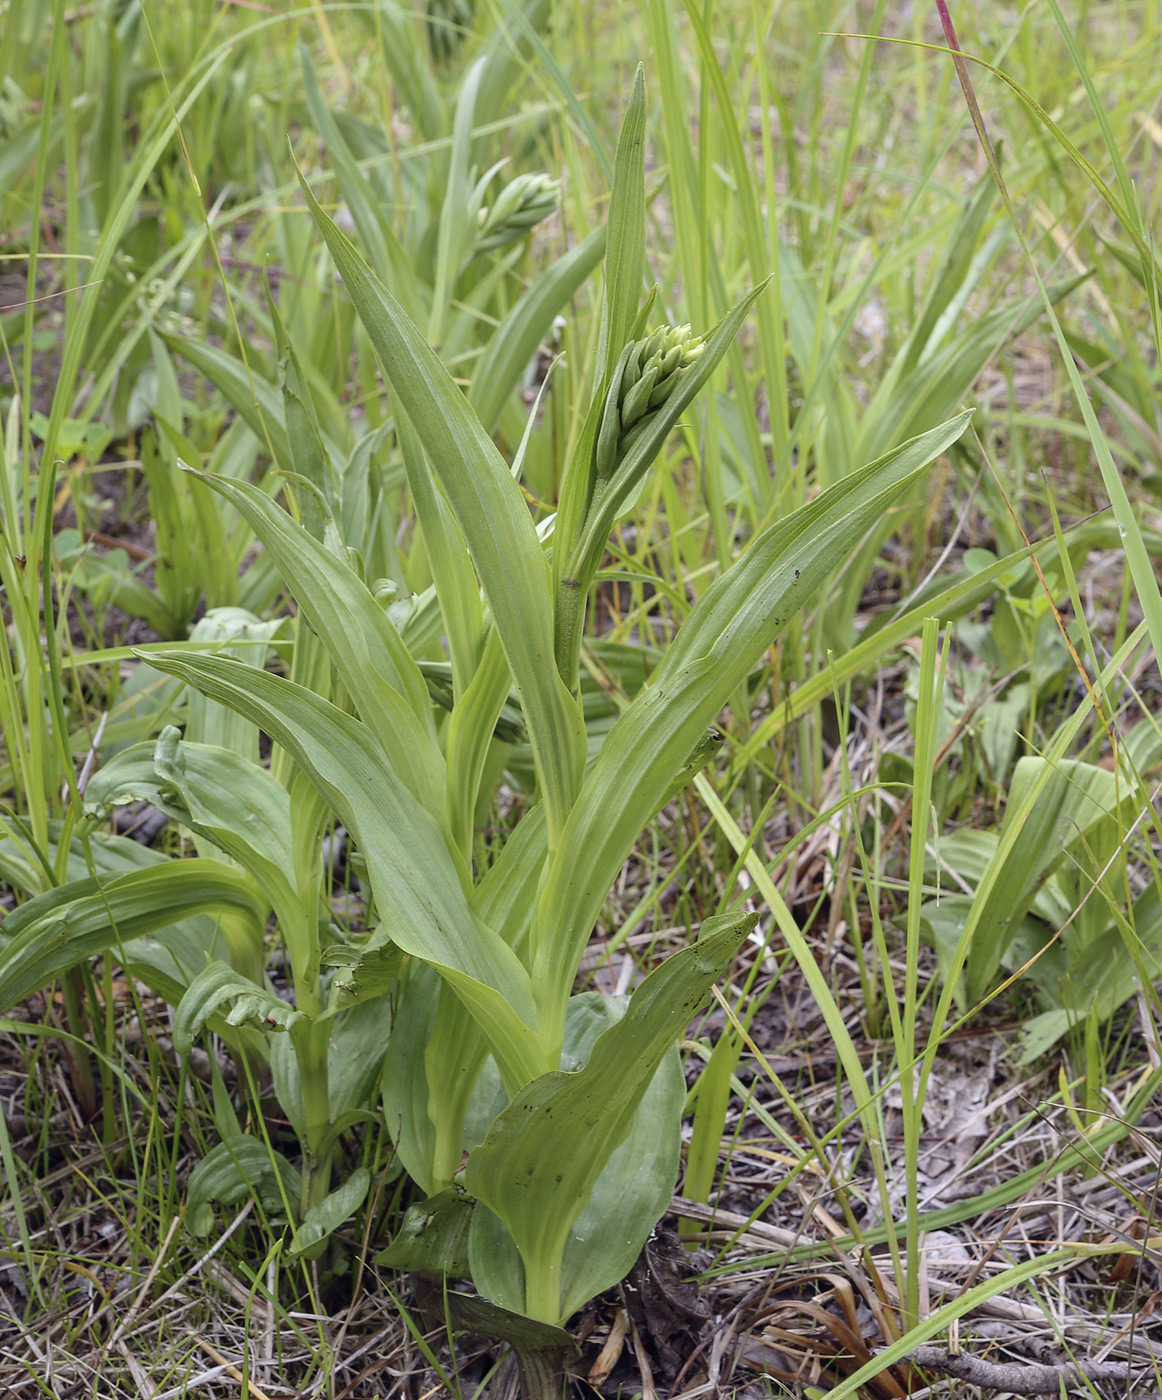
(419, 888)
(625, 255)
(364, 973)
(526, 1337)
(321, 1221)
(66, 926)
(311, 460)
(218, 986)
(256, 401)
(240, 634)
(433, 1237)
(380, 239)
(452, 571)
(406, 1097)
(538, 1166)
(241, 1166)
(1051, 805)
(224, 799)
(492, 516)
(230, 804)
(368, 652)
(740, 615)
(632, 1191)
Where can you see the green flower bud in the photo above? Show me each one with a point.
(637, 401)
(523, 203)
(647, 373)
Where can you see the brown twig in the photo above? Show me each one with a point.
(1021, 1378)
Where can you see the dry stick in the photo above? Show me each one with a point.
(1021, 1378)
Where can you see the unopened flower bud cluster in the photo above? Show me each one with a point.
(523, 203)
(647, 374)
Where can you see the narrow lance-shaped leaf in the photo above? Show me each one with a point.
(66, 926)
(376, 667)
(492, 514)
(257, 402)
(625, 256)
(452, 571)
(379, 238)
(729, 627)
(309, 456)
(453, 230)
(625, 261)
(419, 888)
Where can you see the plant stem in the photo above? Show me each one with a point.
(543, 1289)
(311, 1047)
(542, 1373)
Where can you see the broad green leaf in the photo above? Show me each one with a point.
(237, 1168)
(740, 615)
(240, 634)
(223, 798)
(419, 889)
(323, 1220)
(507, 891)
(453, 1059)
(406, 1095)
(631, 1193)
(230, 804)
(491, 513)
(964, 854)
(375, 665)
(540, 1161)
(364, 974)
(355, 1055)
(218, 986)
(68, 925)
(168, 959)
(433, 1236)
